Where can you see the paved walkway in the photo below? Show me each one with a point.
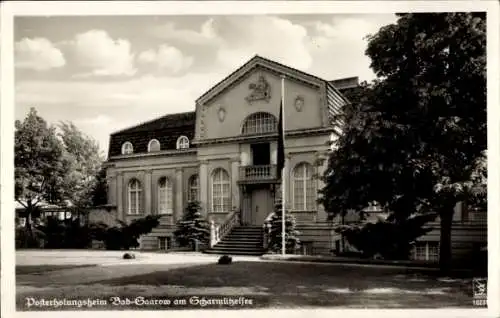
(110, 258)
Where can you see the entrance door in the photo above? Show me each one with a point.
(260, 205)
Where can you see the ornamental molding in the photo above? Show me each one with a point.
(299, 103)
(260, 90)
(221, 113)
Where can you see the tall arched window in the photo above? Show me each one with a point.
(134, 197)
(259, 123)
(154, 145)
(165, 196)
(183, 142)
(304, 191)
(221, 196)
(127, 148)
(193, 188)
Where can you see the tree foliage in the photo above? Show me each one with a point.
(390, 238)
(292, 242)
(54, 168)
(125, 236)
(84, 159)
(414, 139)
(193, 227)
(39, 168)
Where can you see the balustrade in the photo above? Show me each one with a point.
(256, 173)
(219, 231)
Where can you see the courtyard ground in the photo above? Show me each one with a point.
(172, 280)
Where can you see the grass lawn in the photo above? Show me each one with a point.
(42, 269)
(265, 284)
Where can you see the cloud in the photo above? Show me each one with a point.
(166, 57)
(145, 92)
(341, 43)
(272, 37)
(229, 41)
(100, 55)
(205, 36)
(98, 120)
(38, 54)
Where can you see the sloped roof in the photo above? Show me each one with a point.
(166, 129)
(163, 122)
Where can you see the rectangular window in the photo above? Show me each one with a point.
(164, 243)
(425, 251)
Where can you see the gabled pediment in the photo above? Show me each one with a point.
(259, 63)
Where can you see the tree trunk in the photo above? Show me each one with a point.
(28, 240)
(446, 217)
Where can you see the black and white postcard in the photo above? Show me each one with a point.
(238, 158)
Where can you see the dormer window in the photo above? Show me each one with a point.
(154, 145)
(183, 142)
(127, 148)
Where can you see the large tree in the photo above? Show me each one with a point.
(39, 165)
(415, 138)
(83, 156)
(57, 168)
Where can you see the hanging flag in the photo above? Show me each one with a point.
(281, 144)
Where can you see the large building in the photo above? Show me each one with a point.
(224, 154)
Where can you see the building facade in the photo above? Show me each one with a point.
(224, 154)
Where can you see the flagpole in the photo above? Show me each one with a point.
(283, 187)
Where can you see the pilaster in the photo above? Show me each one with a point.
(204, 186)
(120, 199)
(321, 166)
(288, 186)
(179, 203)
(235, 166)
(148, 188)
(111, 185)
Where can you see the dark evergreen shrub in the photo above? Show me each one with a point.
(292, 242)
(193, 228)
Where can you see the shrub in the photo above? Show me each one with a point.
(292, 241)
(126, 236)
(193, 227)
(391, 239)
(27, 239)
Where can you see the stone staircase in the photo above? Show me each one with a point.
(242, 240)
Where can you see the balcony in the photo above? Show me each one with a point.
(258, 174)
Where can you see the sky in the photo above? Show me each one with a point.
(106, 73)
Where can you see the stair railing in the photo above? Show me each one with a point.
(219, 231)
(267, 231)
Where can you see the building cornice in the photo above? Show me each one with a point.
(182, 152)
(264, 137)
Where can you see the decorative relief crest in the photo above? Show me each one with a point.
(221, 113)
(261, 90)
(299, 103)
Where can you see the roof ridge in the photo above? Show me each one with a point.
(255, 58)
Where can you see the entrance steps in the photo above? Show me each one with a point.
(242, 240)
